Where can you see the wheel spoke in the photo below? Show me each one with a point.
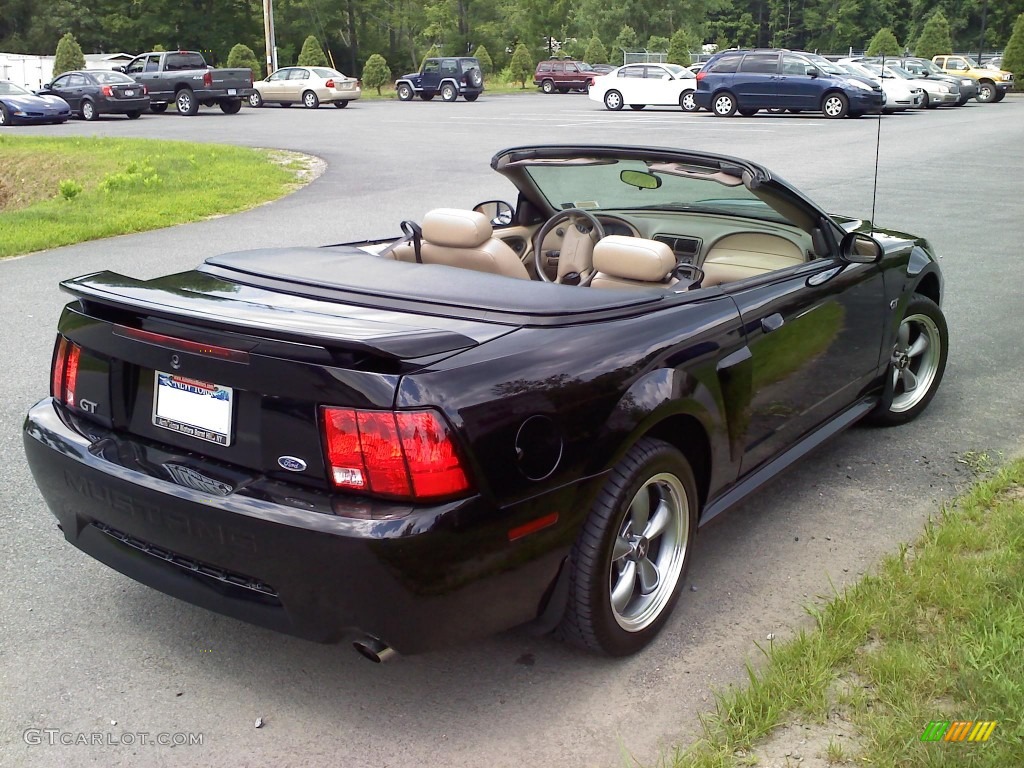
(620, 548)
(918, 346)
(659, 522)
(909, 380)
(623, 589)
(903, 336)
(640, 509)
(649, 576)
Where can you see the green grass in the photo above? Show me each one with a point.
(936, 634)
(56, 192)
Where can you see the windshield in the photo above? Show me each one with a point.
(932, 68)
(853, 68)
(111, 78)
(901, 72)
(628, 184)
(10, 89)
(824, 64)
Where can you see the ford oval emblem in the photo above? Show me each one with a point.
(291, 463)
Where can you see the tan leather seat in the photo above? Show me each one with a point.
(633, 262)
(746, 254)
(463, 239)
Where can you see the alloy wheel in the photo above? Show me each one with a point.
(915, 361)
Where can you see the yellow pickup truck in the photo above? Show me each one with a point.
(993, 84)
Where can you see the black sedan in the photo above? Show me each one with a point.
(92, 93)
(20, 105)
(507, 415)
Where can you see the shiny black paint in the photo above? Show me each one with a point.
(688, 368)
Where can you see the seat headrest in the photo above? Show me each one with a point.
(634, 258)
(454, 228)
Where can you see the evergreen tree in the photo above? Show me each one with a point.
(884, 43)
(934, 38)
(1013, 56)
(69, 55)
(682, 44)
(596, 53)
(521, 67)
(626, 41)
(312, 55)
(244, 56)
(481, 55)
(432, 53)
(657, 44)
(376, 72)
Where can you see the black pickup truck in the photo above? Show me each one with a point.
(185, 78)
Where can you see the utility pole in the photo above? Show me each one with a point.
(268, 34)
(981, 43)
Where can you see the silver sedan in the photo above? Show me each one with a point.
(309, 86)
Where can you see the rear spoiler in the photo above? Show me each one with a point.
(273, 315)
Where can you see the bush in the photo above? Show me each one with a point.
(244, 56)
(884, 43)
(682, 44)
(432, 53)
(935, 38)
(312, 55)
(626, 41)
(70, 189)
(521, 67)
(1013, 56)
(596, 53)
(657, 44)
(376, 72)
(68, 56)
(481, 55)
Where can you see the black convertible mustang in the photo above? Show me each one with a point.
(508, 415)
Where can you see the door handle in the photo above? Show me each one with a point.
(772, 323)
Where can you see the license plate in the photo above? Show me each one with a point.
(129, 92)
(232, 91)
(191, 407)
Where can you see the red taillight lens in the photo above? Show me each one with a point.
(329, 84)
(65, 372)
(701, 74)
(207, 78)
(409, 454)
(145, 90)
(108, 91)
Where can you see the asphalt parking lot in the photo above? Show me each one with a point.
(86, 650)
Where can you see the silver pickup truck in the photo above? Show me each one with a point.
(183, 77)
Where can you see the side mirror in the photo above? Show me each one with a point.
(498, 212)
(46, 87)
(122, 70)
(812, 71)
(858, 248)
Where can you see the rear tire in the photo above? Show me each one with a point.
(341, 104)
(449, 92)
(135, 114)
(405, 92)
(627, 566)
(157, 109)
(310, 100)
(917, 363)
(747, 111)
(185, 101)
(1000, 95)
(613, 101)
(471, 96)
(687, 103)
(723, 105)
(88, 110)
(230, 106)
(835, 106)
(547, 86)
(637, 107)
(426, 96)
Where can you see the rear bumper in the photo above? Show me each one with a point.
(216, 94)
(281, 556)
(121, 106)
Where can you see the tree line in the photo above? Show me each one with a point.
(402, 32)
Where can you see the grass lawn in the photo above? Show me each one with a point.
(59, 191)
(936, 635)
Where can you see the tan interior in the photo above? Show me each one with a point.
(633, 262)
(463, 239)
(747, 254)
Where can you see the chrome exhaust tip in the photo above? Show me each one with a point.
(375, 650)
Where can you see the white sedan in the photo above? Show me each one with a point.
(899, 94)
(309, 86)
(640, 85)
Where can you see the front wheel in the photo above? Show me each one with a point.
(926, 103)
(404, 92)
(1000, 95)
(310, 100)
(449, 92)
(687, 103)
(157, 109)
(916, 364)
(5, 116)
(637, 107)
(135, 114)
(88, 110)
(255, 100)
(724, 105)
(835, 106)
(986, 92)
(185, 101)
(747, 111)
(628, 563)
(613, 100)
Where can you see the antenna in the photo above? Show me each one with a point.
(878, 142)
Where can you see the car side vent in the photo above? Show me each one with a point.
(686, 249)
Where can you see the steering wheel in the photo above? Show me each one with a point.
(577, 252)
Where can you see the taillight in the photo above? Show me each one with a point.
(403, 454)
(145, 90)
(207, 78)
(329, 84)
(108, 91)
(65, 371)
(700, 74)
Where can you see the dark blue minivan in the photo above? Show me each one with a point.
(746, 81)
